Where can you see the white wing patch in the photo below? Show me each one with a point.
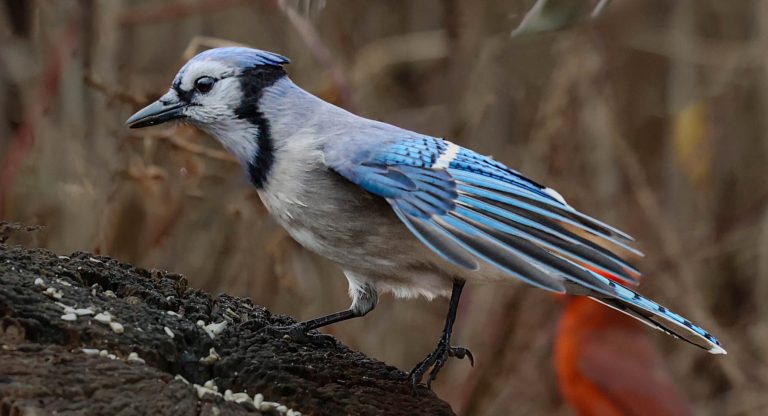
(554, 194)
(446, 158)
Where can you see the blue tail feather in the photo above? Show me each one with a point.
(657, 316)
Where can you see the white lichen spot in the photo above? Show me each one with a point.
(169, 332)
(211, 384)
(54, 293)
(39, 282)
(200, 323)
(172, 313)
(241, 397)
(63, 282)
(112, 356)
(69, 317)
(268, 406)
(236, 397)
(103, 317)
(215, 329)
(94, 260)
(135, 357)
(117, 327)
(110, 294)
(202, 391)
(181, 378)
(63, 258)
(103, 353)
(212, 357)
(66, 308)
(84, 311)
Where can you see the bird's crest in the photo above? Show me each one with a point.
(234, 58)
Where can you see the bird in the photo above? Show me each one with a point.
(398, 211)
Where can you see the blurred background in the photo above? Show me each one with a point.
(649, 114)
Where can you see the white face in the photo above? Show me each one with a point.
(212, 90)
(210, 93)
(213, 93)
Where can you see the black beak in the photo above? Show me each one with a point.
(167, 108)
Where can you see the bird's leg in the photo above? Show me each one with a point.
(364, 302)
(437, 358)
(300, 331)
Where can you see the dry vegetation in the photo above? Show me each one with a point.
(652, 116)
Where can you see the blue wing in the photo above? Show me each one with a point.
(474, 207)
(467, 207)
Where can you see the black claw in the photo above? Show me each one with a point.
(298, 334)
(460, 353)
(436, 360)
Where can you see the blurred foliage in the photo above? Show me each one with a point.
(549, 15)
(652, 116)
(692, 146)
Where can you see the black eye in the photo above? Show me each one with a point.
(204, 84)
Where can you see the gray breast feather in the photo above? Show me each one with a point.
(338, 220)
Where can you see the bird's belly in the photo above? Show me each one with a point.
(345, 224)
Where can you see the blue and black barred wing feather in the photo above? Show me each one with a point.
(469, 208)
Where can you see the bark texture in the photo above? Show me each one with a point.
(85, 334)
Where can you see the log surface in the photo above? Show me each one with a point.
(58, 353)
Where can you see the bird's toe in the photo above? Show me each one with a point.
(298, 333)
(435, 361)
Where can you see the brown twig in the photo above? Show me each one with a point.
(62, 48)
(192, 147)
(320, 51)
(154, 13)
(672, 246)
(113, 94)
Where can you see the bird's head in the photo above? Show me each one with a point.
(217, 86)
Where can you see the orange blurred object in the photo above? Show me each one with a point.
(606, 366)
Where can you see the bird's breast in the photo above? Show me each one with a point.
(334, 218)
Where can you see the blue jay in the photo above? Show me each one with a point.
(399, 211)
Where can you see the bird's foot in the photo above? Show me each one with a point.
(298, 333)
(436, 360)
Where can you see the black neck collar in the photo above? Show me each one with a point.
(253, 82)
